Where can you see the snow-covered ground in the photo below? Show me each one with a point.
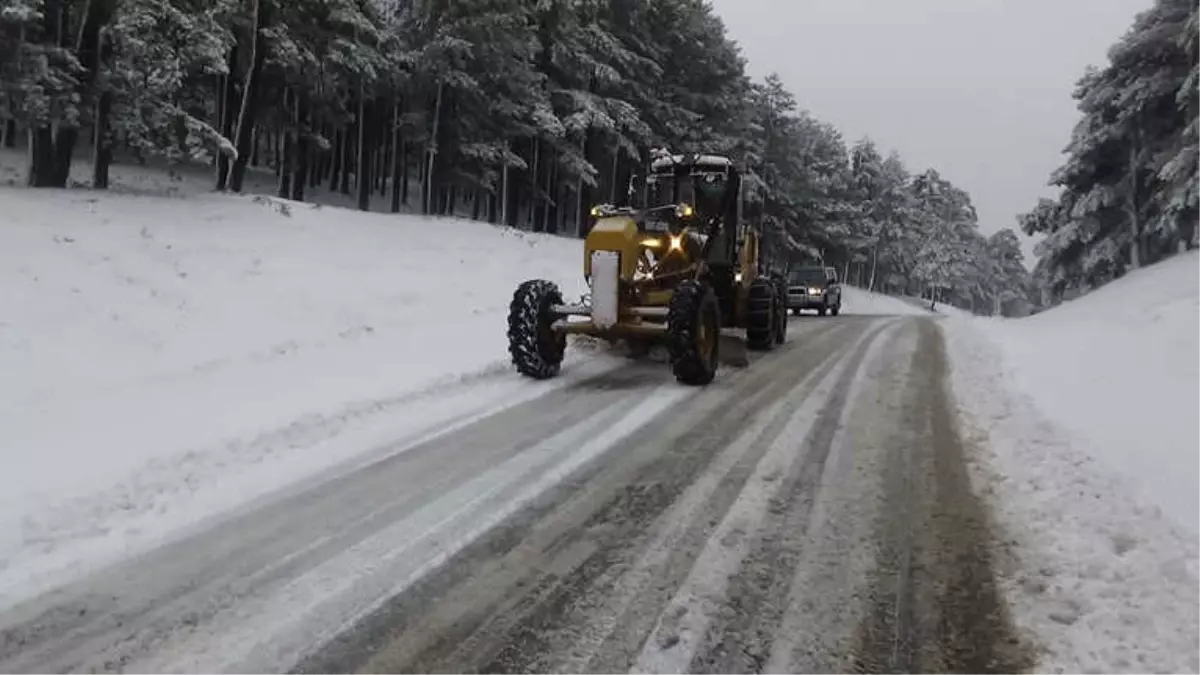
(1086, 420)
(858, 301)
(167, 359)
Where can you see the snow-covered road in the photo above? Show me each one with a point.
(618, 522)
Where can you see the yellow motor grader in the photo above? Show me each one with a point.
(682, 270)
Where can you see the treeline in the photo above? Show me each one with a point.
(1129, 183)
(522, 112)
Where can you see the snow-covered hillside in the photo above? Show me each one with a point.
(165, 359)
(1086, 421)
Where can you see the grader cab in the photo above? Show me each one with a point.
(682, 269)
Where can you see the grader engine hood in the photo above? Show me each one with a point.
(618, 234)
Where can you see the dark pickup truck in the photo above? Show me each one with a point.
(814, 288)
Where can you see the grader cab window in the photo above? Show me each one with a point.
(666, 189)
(704, 190)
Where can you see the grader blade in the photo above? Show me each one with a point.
(732, 350)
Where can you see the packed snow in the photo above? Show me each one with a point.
(1085, 420)
(168, 359)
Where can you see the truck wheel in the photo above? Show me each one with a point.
(760, 315)
(536, 349)
(836, 309)
(822, 310)
(693, 332)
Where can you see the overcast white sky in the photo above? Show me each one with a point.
(978, 89)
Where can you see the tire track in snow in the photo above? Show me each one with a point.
(756, 541)
(611, 617)
(933, 601)
(506, 604)
(672, 556)
(112, 618)
(824, 605)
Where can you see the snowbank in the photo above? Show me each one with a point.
(1118, 369)
(858, 301)
(167, 359)
(1085, 421)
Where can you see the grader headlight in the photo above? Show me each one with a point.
(651, 242)
(684, 210)
(676, 242)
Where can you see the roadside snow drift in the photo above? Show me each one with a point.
(1085, 417)
(1118, 369)
(168, 359)
(858, 301)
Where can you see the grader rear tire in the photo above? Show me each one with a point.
(760, 315)
(536, 349)
(693, 332)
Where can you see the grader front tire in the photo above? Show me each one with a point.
(693, 333)
(536, 349)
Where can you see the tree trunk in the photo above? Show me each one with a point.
(531, 218)
(300, 180)
(301, 136)
(40, 146)
(41, 157)
(101, 138)
(336, 159)
(1132, 210)
(364, 155)
(564, 196)
(287, 145)
(316, 160)
(228, 113)
(582, 195)
(102, 146)
(10, 133)
(616, 163)
(249, 106)
(348, 149)
(504, 189)
(433, 146)
(383, 159)
(550, 203)
(403, 172)
(397, 159)
(874, 266)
